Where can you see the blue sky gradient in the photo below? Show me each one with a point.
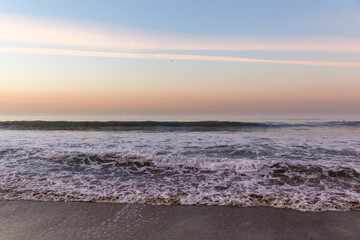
(259, 18)
(180, 56)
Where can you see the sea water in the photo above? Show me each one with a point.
(307, 164)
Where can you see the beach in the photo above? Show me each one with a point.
(64, 220)
(259, 179)
(166, 120)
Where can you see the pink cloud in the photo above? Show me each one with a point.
(45, 51)
(87, 35)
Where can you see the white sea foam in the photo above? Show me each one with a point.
(313, 170)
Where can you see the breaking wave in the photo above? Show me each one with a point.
(164, 126)
(308, 166)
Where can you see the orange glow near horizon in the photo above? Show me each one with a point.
(175, 101)
(58, 65)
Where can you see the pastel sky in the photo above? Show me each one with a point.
(173, 56)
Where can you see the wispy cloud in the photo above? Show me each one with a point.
(168, 56)
(100, 40)
(84, 35)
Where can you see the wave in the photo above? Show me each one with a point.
(118, 178)
(305, 170)
(208, 165)
(164, 125)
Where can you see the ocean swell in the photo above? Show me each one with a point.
(165, 125)
(302, 168)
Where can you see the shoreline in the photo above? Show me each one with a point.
(78, 220)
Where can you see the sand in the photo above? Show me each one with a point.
(58, 220)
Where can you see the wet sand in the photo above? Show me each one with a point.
(58, 220)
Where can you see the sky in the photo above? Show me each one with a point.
(172, 56)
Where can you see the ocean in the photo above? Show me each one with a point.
(308, 164)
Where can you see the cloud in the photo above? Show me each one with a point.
(85, 35)
(167, 56)
(101, 40)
